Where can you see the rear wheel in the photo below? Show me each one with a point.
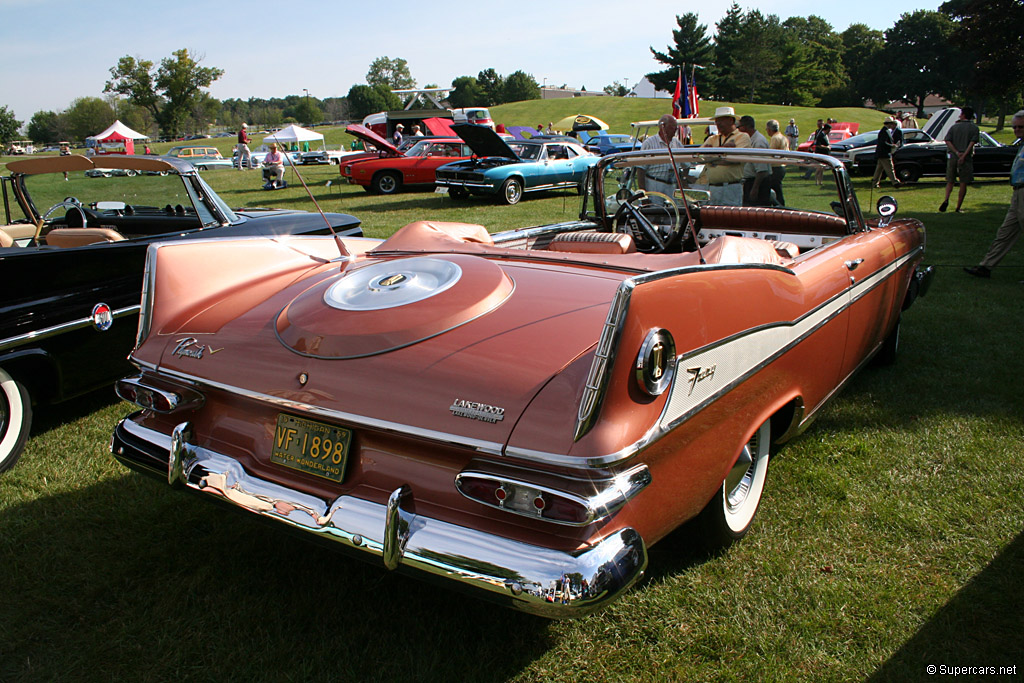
(908, 173)
(890, 347)
(729, 514)
(15, 420)
(511, 191)
(387, 182)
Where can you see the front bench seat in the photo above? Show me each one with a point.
(80, 237)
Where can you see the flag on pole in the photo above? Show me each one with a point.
(677, 102)
(691, 94)
(686, 108)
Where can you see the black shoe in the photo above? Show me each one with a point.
(943, 206)
(978, 271)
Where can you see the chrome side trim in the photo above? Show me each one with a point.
(60, 329)
(674, 414)
(527, 577)
(604, 356)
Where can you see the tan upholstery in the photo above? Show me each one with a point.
(593, 243)
(5, 239)
(786, 249)
(764, 219)
(79, 237)
(435, 235)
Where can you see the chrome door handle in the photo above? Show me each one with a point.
(852, 265)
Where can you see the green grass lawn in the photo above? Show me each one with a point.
(890, 536)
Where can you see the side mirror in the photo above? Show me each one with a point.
(886, 209)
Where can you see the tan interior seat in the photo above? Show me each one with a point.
(79, 237)
(593, 243)
(5, 239)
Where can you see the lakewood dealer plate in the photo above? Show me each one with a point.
(312, 447)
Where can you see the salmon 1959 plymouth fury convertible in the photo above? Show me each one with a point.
(522, 413)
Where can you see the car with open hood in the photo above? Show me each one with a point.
(523, 413)
(415, 168)
(379, 147)
(72, 252)
(510, 168)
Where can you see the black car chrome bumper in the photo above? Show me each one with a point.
(530, 578)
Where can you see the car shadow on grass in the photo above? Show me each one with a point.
(979, 626)
(130, 577)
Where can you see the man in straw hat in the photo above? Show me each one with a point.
(725, 181)
(885, 147)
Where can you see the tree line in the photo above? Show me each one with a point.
(969, 51)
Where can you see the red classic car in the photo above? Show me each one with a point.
(522, 413)
(389, 175)
(380, 148)
(840, 131)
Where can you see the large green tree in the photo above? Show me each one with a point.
(88, 116)
(862, 58)
(171, 94)
(520, 86)
(989, 33)
(690, 45)
(493, 86)
(365, 99)
(392, 74)
(919, 58)
(466, 92)
(47, 127)
(749, 49)
(9, 126)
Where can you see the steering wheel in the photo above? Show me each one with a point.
(69, 203)
(650, 238)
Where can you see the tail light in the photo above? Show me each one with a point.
(166, 398)
(602, 499)
(525, 499)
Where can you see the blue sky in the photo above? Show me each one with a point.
(58, 50)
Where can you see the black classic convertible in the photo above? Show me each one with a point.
(72, 254)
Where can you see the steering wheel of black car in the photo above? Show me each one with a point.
(649, 238)
(71, 204)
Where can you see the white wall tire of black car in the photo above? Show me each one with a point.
(15, 420)
(729, 514)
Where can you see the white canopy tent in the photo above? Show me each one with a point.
(293, 133)
(120, 129)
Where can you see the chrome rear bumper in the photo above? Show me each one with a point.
(530, 578)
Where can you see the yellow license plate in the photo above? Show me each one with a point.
(312, 447)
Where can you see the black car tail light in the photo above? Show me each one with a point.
(165, 398)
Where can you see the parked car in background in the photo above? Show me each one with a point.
(510, 168)
(72, 254)
(610, 143)
(834, 136)
(415, 168)
(481, 116)
(847, 150)
(378, 147)
(325, 155)
(202, 158)
(914, 161)
(520, 414)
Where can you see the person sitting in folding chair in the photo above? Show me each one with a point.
(273, 168)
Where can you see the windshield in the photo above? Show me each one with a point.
(130, 201)
(717, 180)
(526, 151)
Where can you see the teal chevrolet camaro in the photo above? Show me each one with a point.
(510, 168)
